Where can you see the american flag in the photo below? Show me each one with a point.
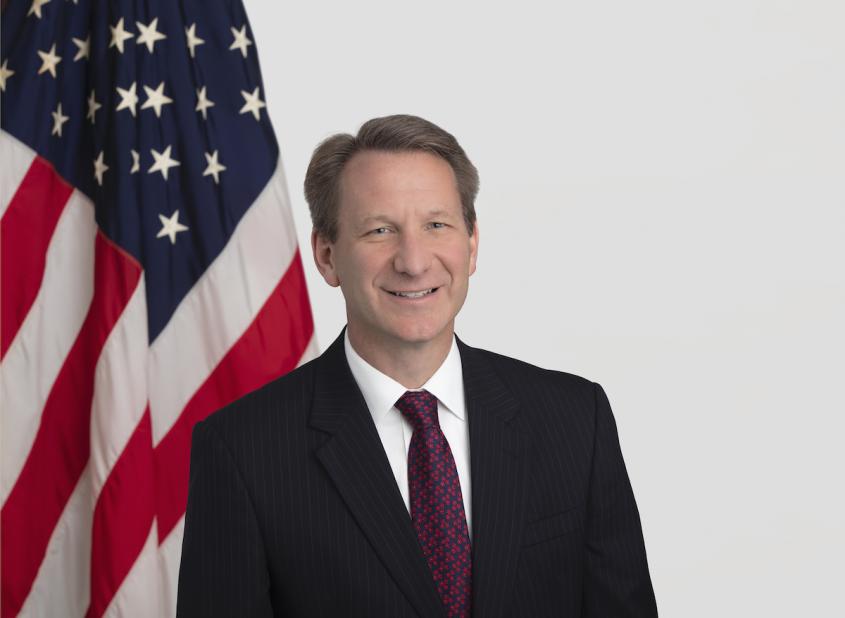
(150, 275)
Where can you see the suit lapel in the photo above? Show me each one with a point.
(355, 460)
(498, 472)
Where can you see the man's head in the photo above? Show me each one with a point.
(399, 133)
(394, 227)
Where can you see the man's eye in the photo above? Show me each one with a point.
(380, 230)
(437, 224)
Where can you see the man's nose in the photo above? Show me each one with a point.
(413, 257)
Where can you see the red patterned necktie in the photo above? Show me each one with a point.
(437, 507)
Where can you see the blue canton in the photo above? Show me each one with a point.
(199, 129)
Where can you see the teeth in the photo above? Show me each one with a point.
(413, 294)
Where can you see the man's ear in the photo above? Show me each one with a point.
(473, 248)
(323, 251)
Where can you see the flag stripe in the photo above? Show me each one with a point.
(120, 399)
(16, 157)
(121, 453)
(47, 335)
(25, 233)
(139, 595)
(62, 586)
(169, 550)
(61, 448)
(169, 555)
(222, 304)
(270, 347)
(123, 517)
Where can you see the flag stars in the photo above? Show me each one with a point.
(49, 60)
(5, 73)
(93, 106)
(156, 98)
(149, 34)
(214, 166)
(203, 103)
(119, 35)
(170, 226)
(193, 39)
(252, 103)
(128, 98)
(100, 168)
(241, 41)
(84, 48)
(35, 8)
(58, 120)
(163, 162)
(136, 162)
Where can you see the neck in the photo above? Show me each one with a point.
(410, 364)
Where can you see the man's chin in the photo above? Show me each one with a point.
(420, 335)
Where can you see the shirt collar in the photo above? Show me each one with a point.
(381, 391)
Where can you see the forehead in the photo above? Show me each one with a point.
(394, 179)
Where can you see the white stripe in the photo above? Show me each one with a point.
(169, 557)
(222, 304)
(62, 586)
(312, 350)
(120, 390)
(15, 159)
(46, 335)
(138, 595)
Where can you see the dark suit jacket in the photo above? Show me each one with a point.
(293, 509)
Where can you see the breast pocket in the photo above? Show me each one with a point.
(551, 527)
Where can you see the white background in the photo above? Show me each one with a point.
(662, 210)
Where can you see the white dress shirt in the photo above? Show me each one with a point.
(381, 392)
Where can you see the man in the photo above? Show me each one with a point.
(404, 473)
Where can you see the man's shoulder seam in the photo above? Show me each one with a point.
(275, 389)
(509, 363)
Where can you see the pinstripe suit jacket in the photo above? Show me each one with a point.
(293, 509)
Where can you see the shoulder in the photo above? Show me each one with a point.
(547, 398)
(522, 376)
(255, 413)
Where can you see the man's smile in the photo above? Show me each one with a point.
(412, 293)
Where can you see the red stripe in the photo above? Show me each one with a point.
(270, 347)
(61, 447)
(25, 234)
(122, 517)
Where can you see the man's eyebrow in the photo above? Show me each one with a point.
(374, 218)
(382, 218)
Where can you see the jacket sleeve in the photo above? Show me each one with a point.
(616, 578)
(223, 570)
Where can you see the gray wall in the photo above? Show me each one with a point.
(663, 211)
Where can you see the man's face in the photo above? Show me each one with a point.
(403, 255)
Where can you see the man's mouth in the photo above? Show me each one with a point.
(413, 294)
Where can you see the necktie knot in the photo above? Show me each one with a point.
(419, 407)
